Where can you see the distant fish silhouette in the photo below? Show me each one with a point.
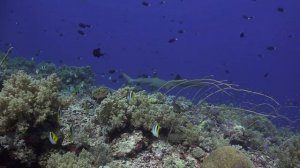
(81, 32)
(280, 9)
(145, 3)
(242, 35)
(83, 25)
(271, 48)
(266, 75)
(173, 40)
(98, 53)
(248, 17)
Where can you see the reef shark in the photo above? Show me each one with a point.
(157, 83)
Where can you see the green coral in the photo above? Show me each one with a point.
(227, 157)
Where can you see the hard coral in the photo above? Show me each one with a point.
(26, 102)
(100, 93)
(227, 157)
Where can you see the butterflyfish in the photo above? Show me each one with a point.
(53, 138)
(155, 130)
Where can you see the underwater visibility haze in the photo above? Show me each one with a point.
(150, 83)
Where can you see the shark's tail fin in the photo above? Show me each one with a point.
(128, 78)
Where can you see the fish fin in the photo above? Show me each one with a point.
(128, 78)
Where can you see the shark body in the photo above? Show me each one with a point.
(166, 84)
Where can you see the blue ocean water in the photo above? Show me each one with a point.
(253, 43)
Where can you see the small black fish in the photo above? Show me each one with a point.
(162, 2)
(98, 53)
(248, 17)
(266, 75)
(145, 75)
(180, 31)
(177, 77)
(111, 71)
(82, 25)
(280, 9)
(145, 3)
(271, 48)
(227, 71)
(242, 35)
(81, 32)
(260, 56)
(39, 51)
(154, 74)
(114, 81)
(173, 40)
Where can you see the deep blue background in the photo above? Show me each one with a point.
(135, 38)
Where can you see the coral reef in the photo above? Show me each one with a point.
(101, 127)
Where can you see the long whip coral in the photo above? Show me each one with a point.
(6, 55)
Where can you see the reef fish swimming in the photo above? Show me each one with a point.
(155, 130)
(53, 138)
